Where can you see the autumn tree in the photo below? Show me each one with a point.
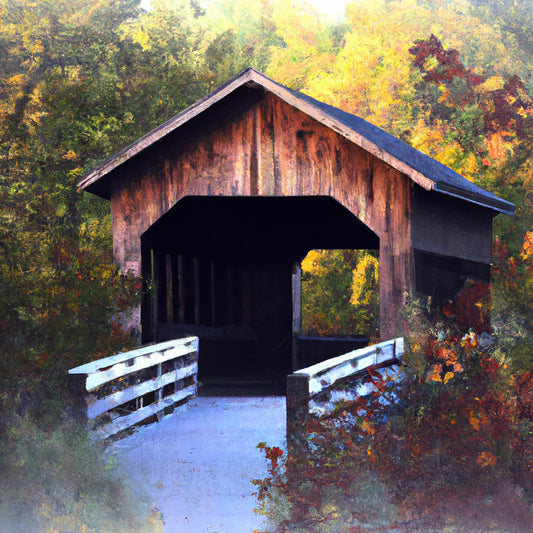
(242, 34)
(310, 43)
(67, 100)
(340, 293)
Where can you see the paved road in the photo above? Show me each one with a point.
(196, 466)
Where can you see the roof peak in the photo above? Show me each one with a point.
(422, 169)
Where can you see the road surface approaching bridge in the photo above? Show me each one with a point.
(196, 466)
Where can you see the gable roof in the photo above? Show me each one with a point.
(422, 169)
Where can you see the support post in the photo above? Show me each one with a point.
(297, 413)
(154, 272)
(169, 289)
(196, 281)
(296, 314)
(78, 394)
(181, 290)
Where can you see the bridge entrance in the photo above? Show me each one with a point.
(227, 270)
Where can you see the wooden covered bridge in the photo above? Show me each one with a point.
(218, 206)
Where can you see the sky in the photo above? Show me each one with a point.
(332, 7)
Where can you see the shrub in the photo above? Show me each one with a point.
(448, 447)
(55, 479)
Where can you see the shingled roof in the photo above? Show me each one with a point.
(422, 169)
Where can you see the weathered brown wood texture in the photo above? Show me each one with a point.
(272, 149)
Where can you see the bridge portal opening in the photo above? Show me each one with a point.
(339, 302)
(227, 270)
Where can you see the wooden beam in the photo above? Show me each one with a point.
(124, 422)
(296, 313)
(230, 295)
(169, 289)
(196, 281)
(247, 316)
(104, 364)
(109, 371)
(131, 393)
(325, 374)
(213, 294)
(297, 413)
(181, 289)
(154, 275)
(140, 363)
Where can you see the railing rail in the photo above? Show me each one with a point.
(120, 391)
(307, 383)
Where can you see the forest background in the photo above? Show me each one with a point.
(80, 79)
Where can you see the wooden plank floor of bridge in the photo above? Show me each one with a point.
(196, 466)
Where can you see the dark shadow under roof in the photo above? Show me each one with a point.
(422, 169)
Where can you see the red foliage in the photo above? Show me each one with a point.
(509, 109)
(472, 307)
(448, 439)
(272, 455)
(506, 111)
(448, 64)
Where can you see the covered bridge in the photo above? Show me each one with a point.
(218, 206)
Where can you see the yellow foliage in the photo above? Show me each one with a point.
(141, 38)
(365, 279)
(448, 376)
(369, 72)
(470, 167)
(527, 247)
(71, 155)
(306, 53)
(429, 137)
(492, 84)
(311, 262)
(17, 80)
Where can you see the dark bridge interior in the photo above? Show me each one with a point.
(222, 268)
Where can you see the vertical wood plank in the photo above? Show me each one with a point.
(196, 281)
(78, 392)
(181, 289)
(230, 295)
(297, 413)
(154, 292)
(254, 170)
(159, 392)
(213, 294)
(169, 289)
(296, 313)
(247, 297)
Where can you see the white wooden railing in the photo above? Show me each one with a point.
(308, 383)
(118, 392)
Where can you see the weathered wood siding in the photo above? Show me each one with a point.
(271, 150)
(451, 227)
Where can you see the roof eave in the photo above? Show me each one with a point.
(496, 204)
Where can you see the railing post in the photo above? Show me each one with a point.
(159, 392)
(78, 393)
(296, 314)
(297, 412)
